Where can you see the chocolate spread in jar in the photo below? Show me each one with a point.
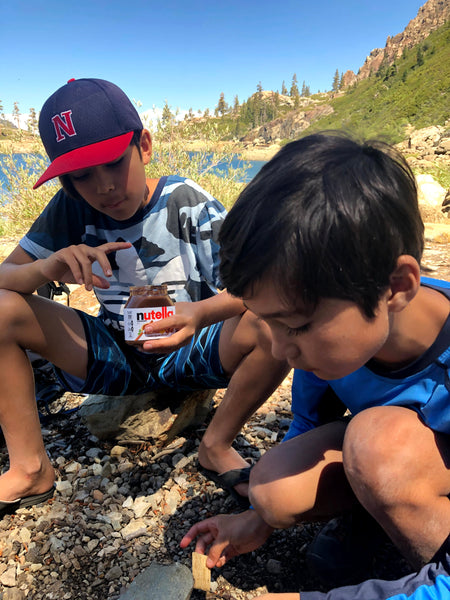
(146, 304)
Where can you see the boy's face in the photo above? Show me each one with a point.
(331, 342)
(117, 189)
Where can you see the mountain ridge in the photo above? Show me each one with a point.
(432, 15)
(406, 87)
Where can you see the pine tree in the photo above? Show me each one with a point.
(276, 101)
(16, 113)
(32, 121)
(167, 117)
(236, 105)
(284, 91)
(335, 85)
(222, 106)
(294, 93)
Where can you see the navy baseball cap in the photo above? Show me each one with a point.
(87, 122)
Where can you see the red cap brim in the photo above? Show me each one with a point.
(88, 156)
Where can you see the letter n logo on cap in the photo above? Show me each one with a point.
(63, 125)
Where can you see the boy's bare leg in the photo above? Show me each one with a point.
(400, 471)
(302, 479)
(55, 332)
(245, 351)
(398, 468)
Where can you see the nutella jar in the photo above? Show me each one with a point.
(146, 304)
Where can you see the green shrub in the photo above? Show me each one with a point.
(20, 205)
(170, 156)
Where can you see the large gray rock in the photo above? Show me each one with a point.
(156, 416)
(161, 582)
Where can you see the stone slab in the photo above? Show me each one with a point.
(161, 582)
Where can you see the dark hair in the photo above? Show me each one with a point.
(327, 217)
(67, 184)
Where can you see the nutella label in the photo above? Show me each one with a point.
(135, 319)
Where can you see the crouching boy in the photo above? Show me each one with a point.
(325, 245)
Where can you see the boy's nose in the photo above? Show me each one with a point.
(283, 349)
(105, 187)
(104, 183)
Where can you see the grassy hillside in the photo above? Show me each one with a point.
(415, 90)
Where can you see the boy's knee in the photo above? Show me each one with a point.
(9, 305)
(265, 496)
(379, 449)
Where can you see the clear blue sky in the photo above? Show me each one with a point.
(188, 51)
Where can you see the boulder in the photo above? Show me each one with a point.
(161, 582)
(430, 192)
(157, 416)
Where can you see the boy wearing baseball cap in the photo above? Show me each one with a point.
(110, 228)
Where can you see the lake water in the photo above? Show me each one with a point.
(252, 168)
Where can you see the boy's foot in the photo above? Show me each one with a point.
(229, 481)
(8, 508)
(15, 485)
(222, 461)
(343, 551)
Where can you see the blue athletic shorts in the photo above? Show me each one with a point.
(116, 369)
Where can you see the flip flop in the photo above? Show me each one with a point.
(8, 508)
(228, 480)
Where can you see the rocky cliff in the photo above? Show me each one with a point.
(430, 16)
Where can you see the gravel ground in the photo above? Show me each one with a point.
(117, 509)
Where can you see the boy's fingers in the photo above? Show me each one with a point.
(105, 265)
(190, 536)
(200, 532)
(216, 555)
(161, 324)
(100, 282)
(203, 543)
(75, 268)
(220, 563)
(107, 248)
(115, 246)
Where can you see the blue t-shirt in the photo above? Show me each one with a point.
(174, 241)
(423, 386)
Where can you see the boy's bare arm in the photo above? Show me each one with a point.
(219, 308)
(20, 273)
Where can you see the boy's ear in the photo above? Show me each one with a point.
(404, 283)
(146, 146)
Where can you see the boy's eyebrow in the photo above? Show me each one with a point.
(280, 313)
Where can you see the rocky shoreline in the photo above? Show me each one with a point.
(247, 151)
